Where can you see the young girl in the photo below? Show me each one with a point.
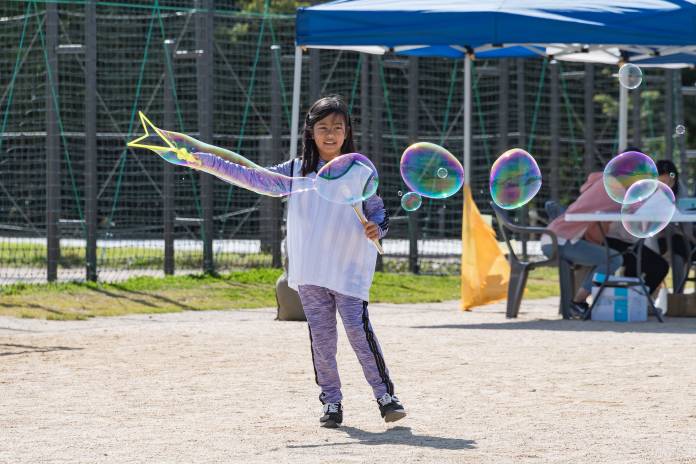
(332, 261)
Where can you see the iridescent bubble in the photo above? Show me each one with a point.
(400, 193)
(347, 179)
(630, 76)
(648, 208)
(626, 169)
(184, 150)
(411, 201)
(515, 179)
(442, 173)
(680, 130)
(420, 169)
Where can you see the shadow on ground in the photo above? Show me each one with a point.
(396, 436)
(13, 349)
(671, 325)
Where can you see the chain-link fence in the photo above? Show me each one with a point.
(75, 202)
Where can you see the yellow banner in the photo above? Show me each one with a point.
(485, 270)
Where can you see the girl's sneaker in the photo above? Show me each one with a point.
(333, 415)
(391, 408)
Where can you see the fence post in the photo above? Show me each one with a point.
(555, 130)
(413, 217)
(314, 74)
(365, 104)
(168, 168)
(635, 117)
(91, 138)
(669, 113)
(276, 155)
(205, 82)
(53, 197)
(503, 103)
(679, 113)
(588, 162)
(522, 134)
(377, 112)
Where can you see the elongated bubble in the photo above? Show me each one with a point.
(347, 179)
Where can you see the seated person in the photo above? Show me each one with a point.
(581, 242)
(681, 244)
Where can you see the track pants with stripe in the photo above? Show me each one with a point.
(320, 305)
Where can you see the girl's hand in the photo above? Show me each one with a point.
(371, 230)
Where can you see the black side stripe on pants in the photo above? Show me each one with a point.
(311, 349)
(379, 360)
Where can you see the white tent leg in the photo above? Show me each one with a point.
(294, 125)
(623, 118)
(467, 120)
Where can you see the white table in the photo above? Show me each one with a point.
(679, 216)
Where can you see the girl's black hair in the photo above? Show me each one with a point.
(333, 104)
(668, 167)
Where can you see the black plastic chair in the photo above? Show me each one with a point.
(519, 269)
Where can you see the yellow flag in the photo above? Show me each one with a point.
(485, 271)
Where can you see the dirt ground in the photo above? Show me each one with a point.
(238, 387)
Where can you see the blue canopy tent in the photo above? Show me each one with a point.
(493, 28)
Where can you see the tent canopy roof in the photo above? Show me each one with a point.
(446, 27)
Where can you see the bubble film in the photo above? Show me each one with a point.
(680, 130)
(515, 179)
(411, 201)
(422, 167)
(184, 150)
(347, 179)
(630, 76)
(626, 169)
(649, 207)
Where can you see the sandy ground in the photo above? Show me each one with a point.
(238, 387)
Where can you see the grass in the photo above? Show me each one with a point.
(34, 255)
(254, 288)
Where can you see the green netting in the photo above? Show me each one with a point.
(133, 69)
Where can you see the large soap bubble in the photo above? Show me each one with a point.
(648, 208)
(515, 179)
(431, 171)
(626, 169)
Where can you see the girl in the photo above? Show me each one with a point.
(332, 261)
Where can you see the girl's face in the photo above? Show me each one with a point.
(329, 134)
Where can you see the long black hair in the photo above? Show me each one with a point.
(333, 104)
(668, 167)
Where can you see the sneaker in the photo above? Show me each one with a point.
(579, 310)
(333, 415)
(391, 408)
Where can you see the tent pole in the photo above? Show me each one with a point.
(467, 119)
(294, 126)
(623, 118)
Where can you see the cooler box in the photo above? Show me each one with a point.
(620, 304)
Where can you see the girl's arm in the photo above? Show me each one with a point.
(274, 181)
(375, 212)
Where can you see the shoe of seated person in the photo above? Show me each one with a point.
(579, 310)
